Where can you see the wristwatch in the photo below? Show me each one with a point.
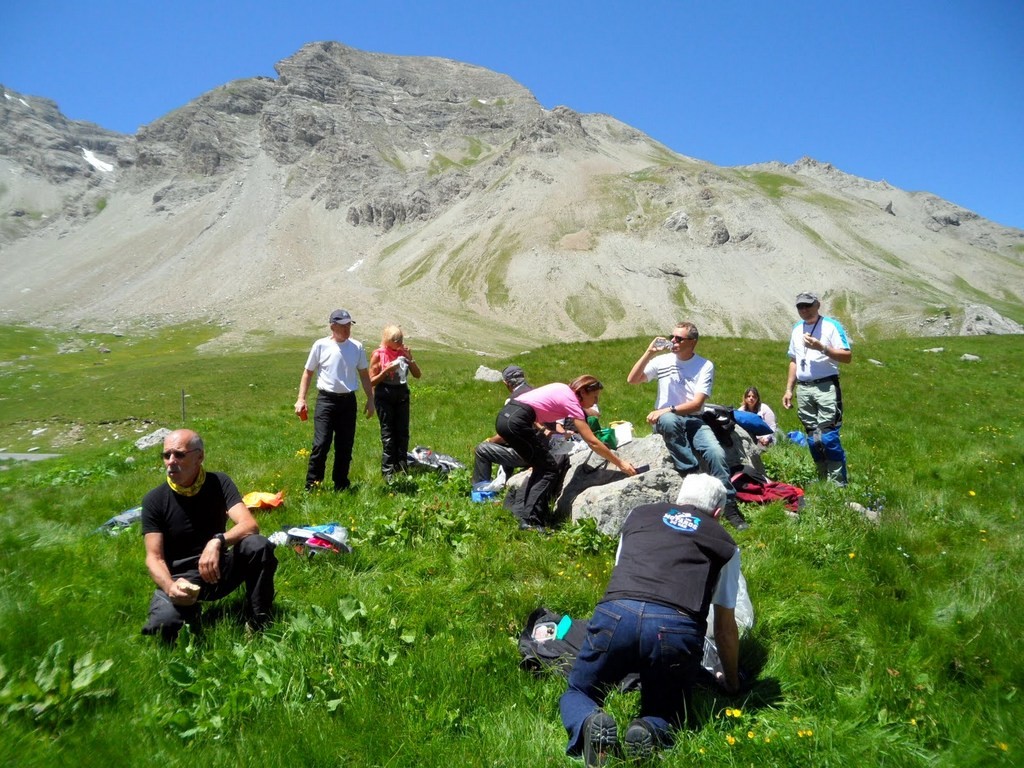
(223, 542)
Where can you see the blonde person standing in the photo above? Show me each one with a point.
(390, 366)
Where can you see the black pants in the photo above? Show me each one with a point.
(334, 419)
(486, 454)
(392, 404)
(515, 424)
(252, 561)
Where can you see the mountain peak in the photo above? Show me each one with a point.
(442, 195)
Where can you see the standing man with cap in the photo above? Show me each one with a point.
(339, 364)
(816, 347)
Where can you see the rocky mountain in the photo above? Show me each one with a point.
(443, 196)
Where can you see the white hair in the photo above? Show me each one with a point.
(704, 492)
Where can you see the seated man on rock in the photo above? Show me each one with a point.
(685, 380)
(190, 554)
(674, 561)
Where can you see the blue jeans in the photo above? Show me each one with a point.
(661, 644)
(686, 438)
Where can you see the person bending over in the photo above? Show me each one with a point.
(674, 561)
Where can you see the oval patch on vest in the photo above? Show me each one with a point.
(681, 521)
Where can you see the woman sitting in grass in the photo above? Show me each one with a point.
(390, 366)
(752, 403)
(515, 424)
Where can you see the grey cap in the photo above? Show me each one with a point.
(341, 317)
(806, 298)
(513, 375)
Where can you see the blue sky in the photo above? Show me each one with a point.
(926, 95)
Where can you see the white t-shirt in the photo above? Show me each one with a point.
(727, 588)
(337, 365)
(679, 381)
(810, 363)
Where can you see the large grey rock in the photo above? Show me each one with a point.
(594, 488)
(483, 373)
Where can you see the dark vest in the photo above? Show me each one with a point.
(670, 555)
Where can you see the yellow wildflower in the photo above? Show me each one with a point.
(731, 739)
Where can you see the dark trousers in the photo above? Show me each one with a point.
(392, 404)
(515, 424)
(334, 419)
(486, 454)
(251, 561)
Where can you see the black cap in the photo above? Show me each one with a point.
(341, 317)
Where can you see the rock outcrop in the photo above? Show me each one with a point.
(442, 195)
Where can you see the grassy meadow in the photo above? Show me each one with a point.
(894, 644)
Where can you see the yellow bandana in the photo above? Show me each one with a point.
(189, 490)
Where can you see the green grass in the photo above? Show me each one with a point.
(592, 309)
(772, 184)
(892, 644)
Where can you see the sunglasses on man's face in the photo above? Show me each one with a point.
(680, 339)
(178, 454)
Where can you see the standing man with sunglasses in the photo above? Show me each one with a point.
(685, 380)
(190, 554)
(816, 347)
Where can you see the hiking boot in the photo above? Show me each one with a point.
(732, 513)
(600, 737)
(639, 741)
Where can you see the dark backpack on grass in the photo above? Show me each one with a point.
(558, 655)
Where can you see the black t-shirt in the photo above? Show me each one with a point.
(670, 555)
(189, 522)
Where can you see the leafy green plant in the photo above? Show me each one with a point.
(584, 538)
(61, 688)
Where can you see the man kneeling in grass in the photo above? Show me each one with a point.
(189, 553)
(673, 562)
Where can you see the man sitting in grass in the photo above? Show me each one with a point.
(189, 554)
(673, 562)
